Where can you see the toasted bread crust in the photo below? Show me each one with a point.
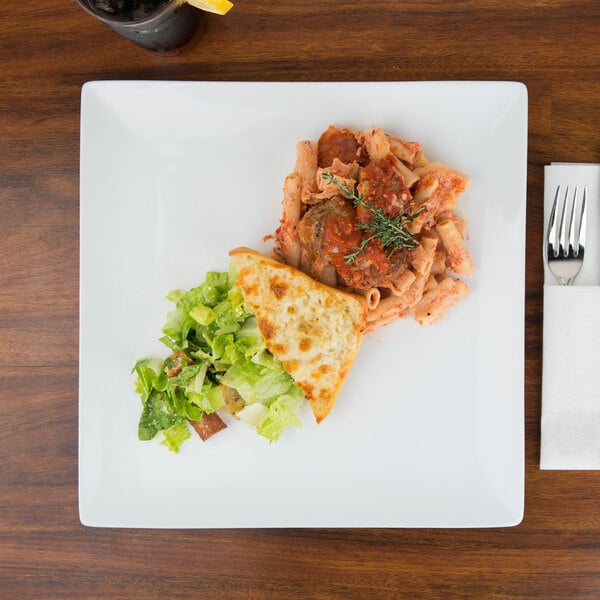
(315, 330)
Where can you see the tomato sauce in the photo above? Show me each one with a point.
(383, 187)
(330, 231)
(332, 234)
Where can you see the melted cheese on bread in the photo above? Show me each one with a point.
(313, 329)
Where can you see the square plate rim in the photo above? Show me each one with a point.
(89, 520)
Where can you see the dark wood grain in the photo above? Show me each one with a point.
(47, 51)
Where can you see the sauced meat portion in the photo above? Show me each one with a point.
(383, 187)
(343, 144)
(329, 228)
(329, 233)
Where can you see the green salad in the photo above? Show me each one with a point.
(218, 361)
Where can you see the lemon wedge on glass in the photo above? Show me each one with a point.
(219, 7)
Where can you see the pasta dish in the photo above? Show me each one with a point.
(368, 213)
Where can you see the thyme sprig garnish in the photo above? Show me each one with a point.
(390, 231)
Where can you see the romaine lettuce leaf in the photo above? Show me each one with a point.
(175, 436)
(148, 370)
(256, 383)
(282, 413)
(209, 398)
(158, 414)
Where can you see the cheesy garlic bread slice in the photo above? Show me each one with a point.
(313, 329)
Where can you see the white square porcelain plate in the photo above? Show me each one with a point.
(428, 428)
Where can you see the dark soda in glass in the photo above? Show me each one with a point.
(160, 25)
(131, 10)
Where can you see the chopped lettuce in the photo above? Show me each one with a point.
(282, 413)
(214, 341)
(175, 436)
(158, 414)
(257, 383)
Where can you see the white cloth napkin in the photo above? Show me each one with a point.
(570, 428)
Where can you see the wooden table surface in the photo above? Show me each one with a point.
(47, 51)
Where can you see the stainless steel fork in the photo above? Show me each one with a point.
(565, 239)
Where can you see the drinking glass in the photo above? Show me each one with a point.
(166, 27)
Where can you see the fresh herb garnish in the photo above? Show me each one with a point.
(390, 231)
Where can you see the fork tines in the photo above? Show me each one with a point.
(566, 234)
